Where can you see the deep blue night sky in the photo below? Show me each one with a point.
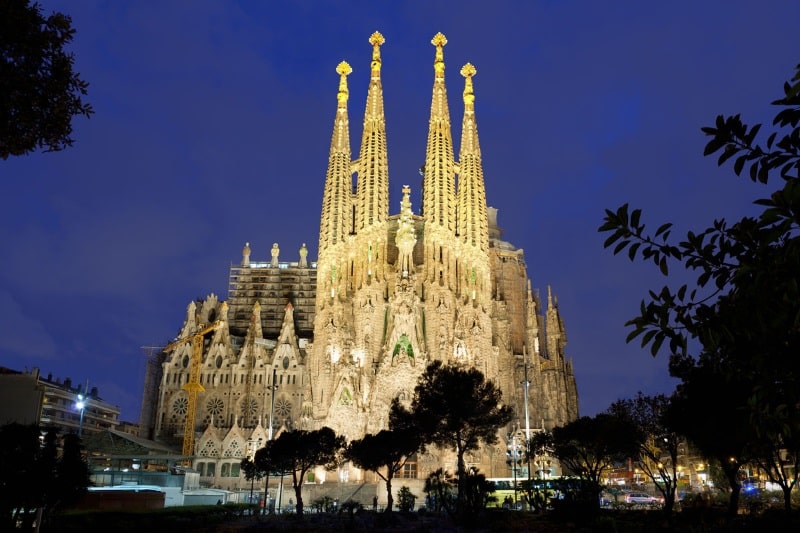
(212, 126)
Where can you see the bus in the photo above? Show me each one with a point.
(538, 493)
(505, 492)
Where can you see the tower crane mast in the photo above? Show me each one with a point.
(193, 386)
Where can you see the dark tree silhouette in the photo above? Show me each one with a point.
(656, 440)
(20, 471)
(716, 423)
(296, 452)
(589, 446)
(459, 409)
(35, 479)
(39, 91)
(384, 453)
(73, 474)
(739, 321)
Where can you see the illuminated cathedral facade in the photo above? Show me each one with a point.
(301, 344)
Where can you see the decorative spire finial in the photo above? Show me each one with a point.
(468, 71)
(343, 69)
(376, 40)
(439, 40)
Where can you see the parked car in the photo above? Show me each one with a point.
(642, 497)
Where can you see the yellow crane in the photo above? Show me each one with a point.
(193, 386)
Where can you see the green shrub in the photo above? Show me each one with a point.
(405, 499)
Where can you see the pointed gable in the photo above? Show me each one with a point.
(210, 443)
(287, 351)
(234, 444)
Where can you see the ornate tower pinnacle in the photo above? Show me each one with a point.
(372, 189)
(439, 40)
(344, 70)
(468, 71)
(335, 222)
(473, 224)
(376, 40)
(438, 182)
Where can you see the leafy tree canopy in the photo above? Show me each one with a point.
(588, 446)
(456, 408)
(656, 440)
(737, 326)
(296, 452)
(39, 90)
(744, 307)
(385, 453)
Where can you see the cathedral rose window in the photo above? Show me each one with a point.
(215, 406)
(283, 408)
(180, 405)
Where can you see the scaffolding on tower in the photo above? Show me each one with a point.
(153, 372)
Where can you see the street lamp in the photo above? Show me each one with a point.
(526, 383)
(513, 461)
(81, 406)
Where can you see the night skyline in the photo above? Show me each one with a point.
(212, 126)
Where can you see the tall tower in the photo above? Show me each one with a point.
(438, 178)
(473, 225)
(336, 221)
(372, 191)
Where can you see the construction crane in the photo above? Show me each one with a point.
(193, 386)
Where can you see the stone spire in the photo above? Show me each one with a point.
(406, 239)
(473, 225)
(554, 329)
(335, 223)
(438, 175)
(372, 194)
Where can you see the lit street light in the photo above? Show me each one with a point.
(83, 401)
(513, 460)
(81, 405)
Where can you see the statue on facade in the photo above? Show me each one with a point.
(275, 252)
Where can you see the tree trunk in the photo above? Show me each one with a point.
(733, 503)
(389, 498)
(787, 497)
(266, 496)
(461, 478)
(298, 492)
(669, 494)
(669, 503)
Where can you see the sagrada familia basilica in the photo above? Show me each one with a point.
(304, 344)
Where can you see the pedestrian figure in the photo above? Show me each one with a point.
(374, 503)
